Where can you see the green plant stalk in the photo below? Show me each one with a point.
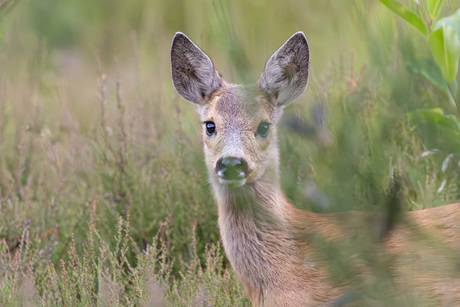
(428, 21)
(452, 97)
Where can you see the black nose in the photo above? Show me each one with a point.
(231, 168)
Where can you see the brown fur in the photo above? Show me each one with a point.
(275, 249)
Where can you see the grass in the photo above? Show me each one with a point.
(104, 197)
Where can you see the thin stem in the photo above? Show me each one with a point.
(428, 20)
(452, 96)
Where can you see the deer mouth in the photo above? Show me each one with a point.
(232, 183)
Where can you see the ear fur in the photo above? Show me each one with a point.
(192, 71)
(286, 72)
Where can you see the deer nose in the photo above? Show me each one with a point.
(231, 168)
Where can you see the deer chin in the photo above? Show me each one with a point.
(234, 183)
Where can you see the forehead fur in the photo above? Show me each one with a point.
(241, 104)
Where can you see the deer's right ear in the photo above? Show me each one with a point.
(192, 71)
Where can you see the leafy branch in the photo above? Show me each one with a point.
(443, 39)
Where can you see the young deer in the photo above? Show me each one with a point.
(269, 242)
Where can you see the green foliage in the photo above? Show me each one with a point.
(434, 7)
(444, 44)
(437, 128)
(409, 16)
(439, 132)
(443, 39)
(431, 71)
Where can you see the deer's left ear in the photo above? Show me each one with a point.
(286, 72)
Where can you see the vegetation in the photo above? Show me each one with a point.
(104, 197)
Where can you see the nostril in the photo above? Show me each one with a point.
(231, 168)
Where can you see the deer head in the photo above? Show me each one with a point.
(240, 121)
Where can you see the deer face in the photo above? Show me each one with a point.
(239, 133)
(240, 122)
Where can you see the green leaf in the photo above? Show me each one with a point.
(409, 16)
(431, 71)
(437, 129)
(436, 116)
(445, 48)
(433, 7)
(452, 20)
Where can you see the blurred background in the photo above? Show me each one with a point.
(104, 198)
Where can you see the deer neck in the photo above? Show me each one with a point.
(262, 202)
(255, 222)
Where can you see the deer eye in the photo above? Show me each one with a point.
(210, 128)
(262, 130)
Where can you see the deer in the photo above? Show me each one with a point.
(271, 244)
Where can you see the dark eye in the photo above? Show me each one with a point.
(262, 130)
(210, 128)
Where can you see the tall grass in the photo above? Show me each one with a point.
(104, 197)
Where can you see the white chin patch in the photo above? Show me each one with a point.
(232, 183)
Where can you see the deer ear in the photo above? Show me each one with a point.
(286, 72)
(192, 71)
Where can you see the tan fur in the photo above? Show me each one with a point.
(267, 239)
(276, 249)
